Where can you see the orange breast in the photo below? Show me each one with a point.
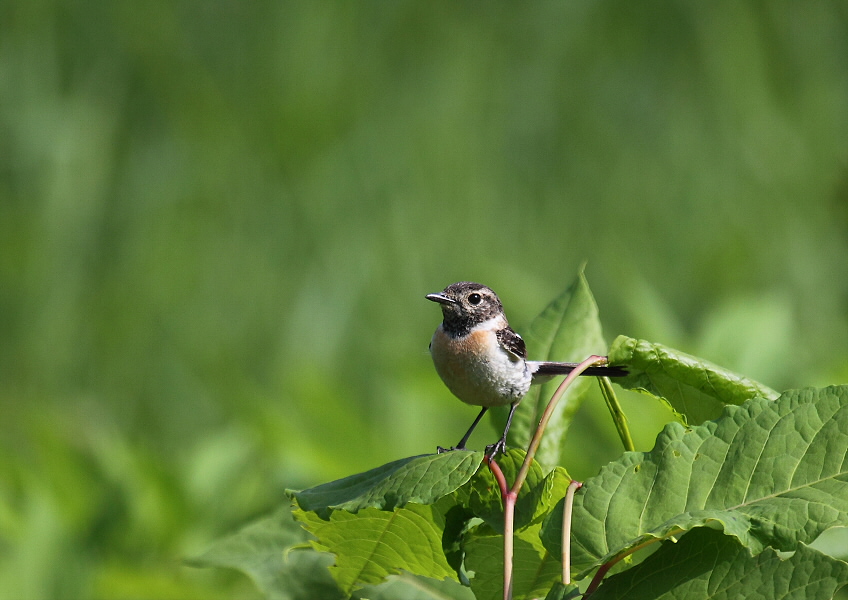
(465, 365)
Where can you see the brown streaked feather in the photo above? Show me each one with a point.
(512, 342)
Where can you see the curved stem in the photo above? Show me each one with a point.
(546, 416)
(604, 568)
(499, 476)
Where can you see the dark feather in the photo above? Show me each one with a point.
(512, 342)
(556, 368)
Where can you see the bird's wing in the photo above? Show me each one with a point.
(512, 342)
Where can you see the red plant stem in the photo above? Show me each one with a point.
(499, 476)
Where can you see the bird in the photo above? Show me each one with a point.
(482, 361)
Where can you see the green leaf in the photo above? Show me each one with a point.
(708, 565)
(263, 552)
(561, 591)
(770, 473)
(694, 388)
(535, 570)
(415, 587)
(833, 542)
(482, 495)
(373, 544)
(420, 479)
(568, 329)
(548, 492)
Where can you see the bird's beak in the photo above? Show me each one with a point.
(440, 298)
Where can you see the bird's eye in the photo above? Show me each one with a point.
(475, 299)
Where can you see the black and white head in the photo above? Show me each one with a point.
(466, 304)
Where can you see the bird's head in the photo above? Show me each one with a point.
(466, 304)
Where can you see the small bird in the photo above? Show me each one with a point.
(482, 360)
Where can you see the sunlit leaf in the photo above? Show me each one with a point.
(770, 473)
(694, 388)
(420, 479)
(373, 544)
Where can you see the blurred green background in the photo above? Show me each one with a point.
(218, 221)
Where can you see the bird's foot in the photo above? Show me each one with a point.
(498, 447)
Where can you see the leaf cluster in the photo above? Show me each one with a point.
(725, 505)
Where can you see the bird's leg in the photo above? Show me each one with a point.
(461, 444)
(500, 445)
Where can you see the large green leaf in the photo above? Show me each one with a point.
(263, 552)
(373, 544)
(770, 473)
(706, 565)
(694, 388)
(568, 329)
(420, 479)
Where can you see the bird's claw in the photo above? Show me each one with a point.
(498, 447)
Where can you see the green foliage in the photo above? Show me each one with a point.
(540, 492)
(767, 475)
(706, 564)
(272, 552)
(267, 552)
(770, 473)
(373, 544)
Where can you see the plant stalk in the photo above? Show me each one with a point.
(618, 416)
(566, 530)
(509, 529)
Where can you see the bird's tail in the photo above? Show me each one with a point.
(550, 369)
